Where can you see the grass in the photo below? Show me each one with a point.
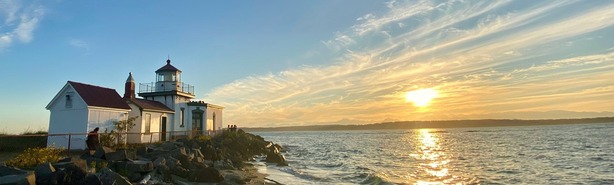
(18, 143)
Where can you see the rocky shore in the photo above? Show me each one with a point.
(222, 159)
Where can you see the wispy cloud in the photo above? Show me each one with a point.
(485, 57)
(19, 22)
(79, 44)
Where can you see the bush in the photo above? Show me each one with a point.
(32, 157)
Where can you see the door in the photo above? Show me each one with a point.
(163, 129)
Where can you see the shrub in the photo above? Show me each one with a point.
(32, 157)
(203, 138)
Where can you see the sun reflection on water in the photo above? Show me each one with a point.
(432, 167)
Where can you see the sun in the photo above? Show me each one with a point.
(421, 97)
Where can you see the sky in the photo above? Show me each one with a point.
(286, 63)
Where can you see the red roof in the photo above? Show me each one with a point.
(168, 67)
(150, 105)
(99, 96)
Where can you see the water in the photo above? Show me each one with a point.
(564, 154)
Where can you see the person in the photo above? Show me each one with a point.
(92, 139)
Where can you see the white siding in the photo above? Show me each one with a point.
(219, 119)
(103, 119)
(154, 135)
(65, 120)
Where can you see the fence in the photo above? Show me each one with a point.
(76, 141)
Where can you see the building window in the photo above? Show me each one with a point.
(69, 97)
(197, 119)
(181, 117)
(147, 123)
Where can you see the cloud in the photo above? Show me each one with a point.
(484, 57)
(79, 44)
(19, 22)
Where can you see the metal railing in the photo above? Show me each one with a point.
(68, 140)
(165, 86)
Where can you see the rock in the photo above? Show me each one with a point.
(141, 151)
(43, 173)
(135, 177)
(181, 151)
(185, 141)
(120, 155)
(16, 176)
(210, 153)
(224, 165)
(199, 160)
(66, 159)
(195, 146)
(86, 156)
(71, 174)
(101, 151)
(140, 166)
(206, 175)
(109, 177)
(159, 161)
(168, 146)
(197, 153)
(62, 165)
(96, 161)
(278, 158)
(92, 179)
(180, 171)
(172, 162)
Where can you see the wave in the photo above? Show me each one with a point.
(303, 175)
(373, 179)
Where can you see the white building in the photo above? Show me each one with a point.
(166, 110)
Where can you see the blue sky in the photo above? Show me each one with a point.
(278, 63)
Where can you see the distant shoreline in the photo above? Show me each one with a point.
(437, 124)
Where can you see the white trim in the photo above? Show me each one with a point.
(109, 109)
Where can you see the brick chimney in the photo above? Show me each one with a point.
(129, 88)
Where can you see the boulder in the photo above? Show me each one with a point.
(66, 159)
(141, 151)
(102, 151)
(197, 153)
(109, 177)
(43, 173)
(140, 166)
(180, 171)
(206, 175)
(92, 179)
(120, 155)
(278, 158)
(168, 146)
(16, 176)
(71, 174)
(159, 161)
(62, 165)
(172, 162)
(184, 141)
(135, 177)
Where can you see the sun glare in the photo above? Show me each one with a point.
(421, 97)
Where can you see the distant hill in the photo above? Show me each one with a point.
(438, 124)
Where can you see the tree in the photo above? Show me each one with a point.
(117, 136)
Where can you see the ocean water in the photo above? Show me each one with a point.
(562, 154)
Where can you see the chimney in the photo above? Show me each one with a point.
(129, 88)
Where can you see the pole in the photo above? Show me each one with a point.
(68, 151)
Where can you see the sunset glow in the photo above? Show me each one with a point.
(421, 97)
